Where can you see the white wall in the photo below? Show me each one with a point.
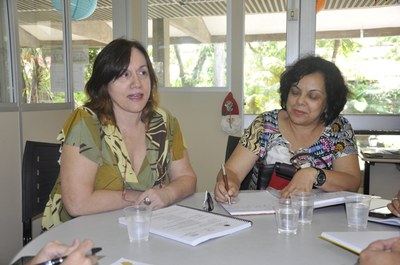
(199, 115)
(37, 126)
(10, 183)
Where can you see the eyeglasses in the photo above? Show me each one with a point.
(208, 203)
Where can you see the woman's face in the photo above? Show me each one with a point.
(307, 100)
(131, 91)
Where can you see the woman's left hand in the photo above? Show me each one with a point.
(303, 180)
(156, 197)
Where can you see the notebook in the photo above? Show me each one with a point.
(193, 226)
(357, 241)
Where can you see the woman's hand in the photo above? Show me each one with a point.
(182, 184)
(303, 180)
(238, 165)
(394, 206)
(220, 192)
(156, 198)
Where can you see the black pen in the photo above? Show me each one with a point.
(60, 260)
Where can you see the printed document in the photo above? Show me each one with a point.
(193, 226)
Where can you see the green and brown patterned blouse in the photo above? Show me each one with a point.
(103, 144)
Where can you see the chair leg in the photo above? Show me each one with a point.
(26, 231)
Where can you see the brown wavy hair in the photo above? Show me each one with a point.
(111, 63)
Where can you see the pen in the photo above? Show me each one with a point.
(225, 178)
(60, 260)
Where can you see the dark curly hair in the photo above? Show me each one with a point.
(111, 63)
(335, 87)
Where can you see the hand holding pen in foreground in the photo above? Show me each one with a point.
(56, 251)
(225, 178)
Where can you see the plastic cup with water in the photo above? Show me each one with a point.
(287, 216)
(138, 219)
(357, 208)
(306, 205)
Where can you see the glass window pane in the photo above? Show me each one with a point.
(264, 55)
(187, 42)
(91, 31)
(364, 42)
(6, 92)
(40, 39)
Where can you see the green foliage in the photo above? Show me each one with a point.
(370, 98)
(197, 65)
(264, 62)
(196, 68)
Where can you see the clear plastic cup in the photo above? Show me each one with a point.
(306, 205)
(138, 219)
(287, 216)
(357, 208)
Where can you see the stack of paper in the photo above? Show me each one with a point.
(261, 202)
(387, 221)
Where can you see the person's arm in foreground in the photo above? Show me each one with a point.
(381, 252)
(394, 205)
(76, 253)
(238, 165)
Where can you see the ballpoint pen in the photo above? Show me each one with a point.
(60, 260)
(225, 178)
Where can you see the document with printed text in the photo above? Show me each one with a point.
(193, 226)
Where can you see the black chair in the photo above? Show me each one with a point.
(231, 145)
(40, 170)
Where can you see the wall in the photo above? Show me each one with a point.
(10, 191)
(199, 115)
(37, 126)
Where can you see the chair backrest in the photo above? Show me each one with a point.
(40, 170)
(230, 146)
